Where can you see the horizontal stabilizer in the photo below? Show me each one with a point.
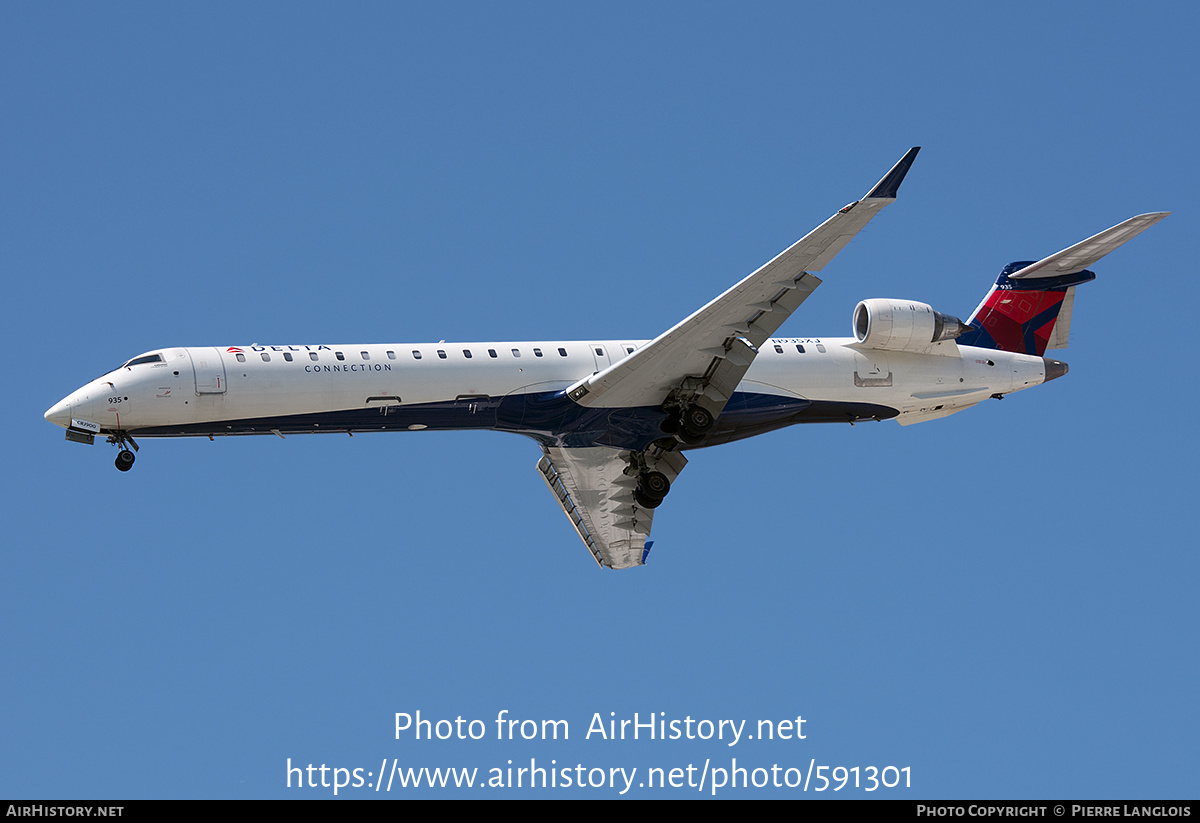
(1029, 309)
(1081, 255)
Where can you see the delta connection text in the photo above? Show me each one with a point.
(651, 726)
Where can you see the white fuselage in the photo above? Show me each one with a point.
(292, 389)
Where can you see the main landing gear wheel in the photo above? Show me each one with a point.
(655, 484)
(644, 501)
(697, 421)
(125, 460)
(652, 487)
(689, 424)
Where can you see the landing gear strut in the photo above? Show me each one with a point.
(125, 457)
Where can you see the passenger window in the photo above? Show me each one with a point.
(537, 352)
(391, 355)
(492, 353)
(312, 355)
(821, 348)
(467, 353)
(241, 358)
(365, 356)
(516, 352)
(562, 352)
(287, 355)
(799, 348)
(416, 354)
(266, 357)
(339, 355)
(599, 351)
(441, 354)
(629, 349)
(778, 349)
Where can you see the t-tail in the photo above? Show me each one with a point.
(1029, 308)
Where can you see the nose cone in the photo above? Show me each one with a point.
(60, 413)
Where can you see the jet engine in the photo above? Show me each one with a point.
(903, 325)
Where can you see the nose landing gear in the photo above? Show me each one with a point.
(125, 457)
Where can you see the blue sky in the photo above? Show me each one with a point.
(1002, 601)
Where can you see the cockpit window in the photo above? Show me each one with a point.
(145, 358)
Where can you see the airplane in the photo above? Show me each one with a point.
(614, 418)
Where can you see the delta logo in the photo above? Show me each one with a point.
(233, 350)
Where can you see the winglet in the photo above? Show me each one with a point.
(890, 184)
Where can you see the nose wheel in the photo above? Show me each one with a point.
(125, 457)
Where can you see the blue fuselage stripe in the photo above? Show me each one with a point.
(551, 418)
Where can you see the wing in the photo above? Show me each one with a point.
(595, 488)
(609, 494)
(703, 358)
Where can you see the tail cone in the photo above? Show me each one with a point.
(1054, 369)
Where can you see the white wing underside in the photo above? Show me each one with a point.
(594, 487)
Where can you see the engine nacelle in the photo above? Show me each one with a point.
(903, 325)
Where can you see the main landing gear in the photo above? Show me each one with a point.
(689, 424)
(652, 487)
(125, 457)
(652, 484)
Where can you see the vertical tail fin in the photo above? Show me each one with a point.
(1026, 316)
(1029, 308)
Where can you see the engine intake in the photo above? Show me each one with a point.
(903, 325)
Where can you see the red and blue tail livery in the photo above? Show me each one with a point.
(1029, 308)
(1025, 316)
